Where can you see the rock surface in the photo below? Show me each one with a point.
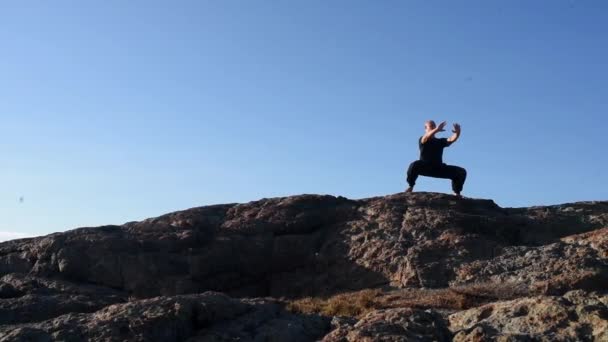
(201, 317)
(88, 280)
(26, 298)
(576, 262)
(576, 316)
(403, 324)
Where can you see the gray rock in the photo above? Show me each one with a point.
(394, 325)
(577, 316)
(202, 317)
(91, 283)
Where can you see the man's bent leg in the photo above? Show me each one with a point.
(412, 173)
(457, 174)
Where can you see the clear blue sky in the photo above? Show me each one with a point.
(113, 111)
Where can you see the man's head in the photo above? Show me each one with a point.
(429, 125)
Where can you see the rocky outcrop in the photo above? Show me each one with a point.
(392, 325)
(307, 245)
(26, 298)
(576, 262)
(576, 316)
(202, 317)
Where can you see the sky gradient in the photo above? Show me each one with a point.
(117, 111)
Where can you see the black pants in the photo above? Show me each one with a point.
(422, 168)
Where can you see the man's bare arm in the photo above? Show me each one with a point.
(432, 133)
(456, 134)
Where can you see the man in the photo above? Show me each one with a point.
(430, 163)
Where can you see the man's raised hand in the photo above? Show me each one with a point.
(441, 126)
(456, 134)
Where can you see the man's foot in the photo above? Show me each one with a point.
(410, 189)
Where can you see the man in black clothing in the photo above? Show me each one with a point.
(430, 163)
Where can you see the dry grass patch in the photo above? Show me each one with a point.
(428, 298)
(459, 297)
(352, 304)
(494, 291)
(357, 304)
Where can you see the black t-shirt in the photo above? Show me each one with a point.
(432, 150)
